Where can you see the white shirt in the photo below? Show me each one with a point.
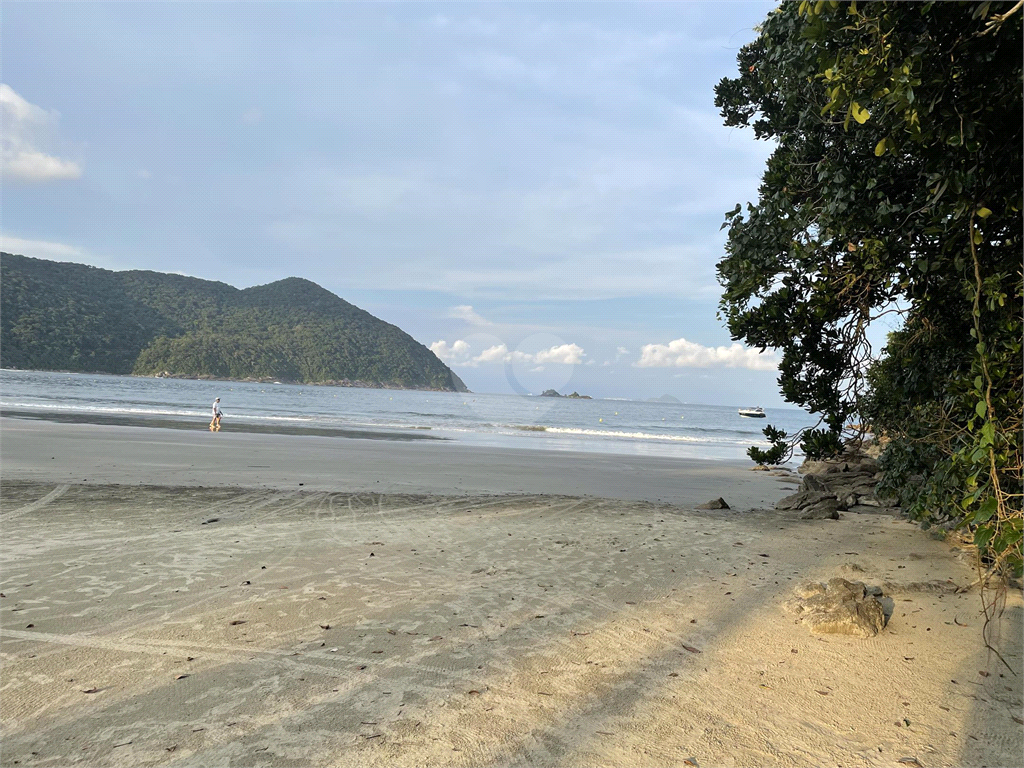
(216, 409)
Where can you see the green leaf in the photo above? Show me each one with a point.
(981, 409)
(988, 508)
(860, 114)
(984, 213)
(880, 147)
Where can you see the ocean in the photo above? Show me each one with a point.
(630, 427)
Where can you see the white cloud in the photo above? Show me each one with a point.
(26, 128)
(458, 353)
(567, 354)
(467, 313)
(493, 354)
(688, 354)
(39, 249)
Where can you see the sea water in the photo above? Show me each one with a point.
(634, 427)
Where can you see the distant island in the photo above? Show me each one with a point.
(665, 399)
(59, 316)
(574, 395)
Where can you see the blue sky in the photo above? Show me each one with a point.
(534, 190)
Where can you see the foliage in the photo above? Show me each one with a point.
(818, 444)
(895, 188)
(777, 454)
(59, 316)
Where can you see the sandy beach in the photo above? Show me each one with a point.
(179, 598)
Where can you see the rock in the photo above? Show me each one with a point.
(810, 467)
(840, 608)
(864, 509)
(826, 509)
(803, 499)
(848, 500)
(814, 483)
(718, 503)
(867, 464)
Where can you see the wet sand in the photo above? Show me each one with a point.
(148, 621)
(56, 452)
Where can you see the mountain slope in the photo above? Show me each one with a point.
(61, 316)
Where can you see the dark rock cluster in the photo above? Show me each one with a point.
(840, 485)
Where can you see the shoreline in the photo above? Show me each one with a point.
(237, 425)
(174, 625)
(50, 451)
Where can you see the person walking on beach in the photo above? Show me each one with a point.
(215, 423)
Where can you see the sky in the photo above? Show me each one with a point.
(533, 190)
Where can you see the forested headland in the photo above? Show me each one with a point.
(73, 317)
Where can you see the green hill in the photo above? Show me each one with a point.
(72, 317)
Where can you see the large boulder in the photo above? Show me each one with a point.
(840, 607)
(803, 499)
(826, 509)
(815, 483)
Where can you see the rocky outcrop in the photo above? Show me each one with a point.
(847, 484)
(840, 607)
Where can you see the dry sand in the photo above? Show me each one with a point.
(175, 625)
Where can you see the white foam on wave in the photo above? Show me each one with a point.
(143, 411)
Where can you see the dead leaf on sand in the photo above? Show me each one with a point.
(181, 677)
(691, 649)
(436, 637)
(1017, 719)
(91, 690)
(237, 622)
(910, 761)
(325, 626)
(691, 761)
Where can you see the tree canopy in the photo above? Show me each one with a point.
(895, 189)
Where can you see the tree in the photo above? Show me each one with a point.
(895, 188)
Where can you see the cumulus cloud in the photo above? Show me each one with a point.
(459, 353)
(688, 354)
(494, 354)
(456, 353)
(26, 130)
(567, 354)
(467, 313)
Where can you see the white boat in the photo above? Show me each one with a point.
(753, 413)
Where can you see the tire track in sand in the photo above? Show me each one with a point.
(56, 493)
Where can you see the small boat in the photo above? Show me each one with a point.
(753, 413)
